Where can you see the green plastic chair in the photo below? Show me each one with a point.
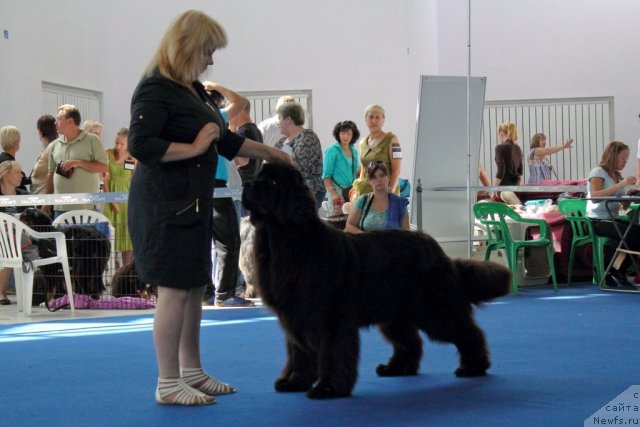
(575, 212)
(494, 217)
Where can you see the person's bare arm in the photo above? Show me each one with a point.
(256, 150)
(236, 103)
(352, 222)
(89, 165)
(541, 152)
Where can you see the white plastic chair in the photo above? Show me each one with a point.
(85, 216)
(11, 230)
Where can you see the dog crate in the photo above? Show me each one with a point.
(97, 272)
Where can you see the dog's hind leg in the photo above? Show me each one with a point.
(462, 331)
(337, 364)
(407, 349)
(299, 373)
(472, 347)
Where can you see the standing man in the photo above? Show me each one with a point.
(226, 230)
(74, 160)
(270, 127)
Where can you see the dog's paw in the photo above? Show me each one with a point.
(325, 391)
(292, 385)
(395, 371)
(471, 371)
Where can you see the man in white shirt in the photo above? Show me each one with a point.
(270, 128)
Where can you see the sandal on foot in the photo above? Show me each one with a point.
(200, 380)
(174, 391)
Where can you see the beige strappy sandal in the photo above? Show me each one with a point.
(174, 391)
(200, 380)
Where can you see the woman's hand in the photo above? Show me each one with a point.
(630, 180)
(205, 137)
(567, 143)
(114, 208)
(337, 205)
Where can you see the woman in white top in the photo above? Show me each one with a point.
(605, 180)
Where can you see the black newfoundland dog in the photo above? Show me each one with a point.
(324, 284)
(88, 251)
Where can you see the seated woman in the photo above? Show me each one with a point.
(380, 209)
(10, 179)
(605, 180)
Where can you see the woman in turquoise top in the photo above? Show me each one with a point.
(380, 209)
(341, 164)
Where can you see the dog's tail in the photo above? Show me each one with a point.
(483, 280)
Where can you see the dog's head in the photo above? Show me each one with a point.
(36, 219)
(279, 195)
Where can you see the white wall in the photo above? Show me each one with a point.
(349, 53)
(550, 49)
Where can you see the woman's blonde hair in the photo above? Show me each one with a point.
(510, 129)
(537, 139)
(608, 161)
(186, 41)
(8, 166)
(90, 126)
(374, 107)
(9, 137)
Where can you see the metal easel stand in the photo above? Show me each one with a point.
(623, 242)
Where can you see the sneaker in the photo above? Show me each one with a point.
(234, 302)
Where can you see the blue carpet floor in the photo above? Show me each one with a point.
(557, 359)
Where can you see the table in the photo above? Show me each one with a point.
(623, 236)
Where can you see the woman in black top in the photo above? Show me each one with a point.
(176, 133)
(508, 156)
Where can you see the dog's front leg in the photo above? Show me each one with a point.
(337, 363)
(299, 372)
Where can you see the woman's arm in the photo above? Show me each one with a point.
(328, 169)
(404, 224)
(236, 101)
(541, 152)
(352, 221)
(256, 150)
(596, 184)
(181, 151)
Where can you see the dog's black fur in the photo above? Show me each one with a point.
(324, 284)
(88, 251)
(125, 283)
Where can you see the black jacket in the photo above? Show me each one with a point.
(170, 207)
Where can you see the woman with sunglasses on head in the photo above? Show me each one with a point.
(380, 209)
(605, 180)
